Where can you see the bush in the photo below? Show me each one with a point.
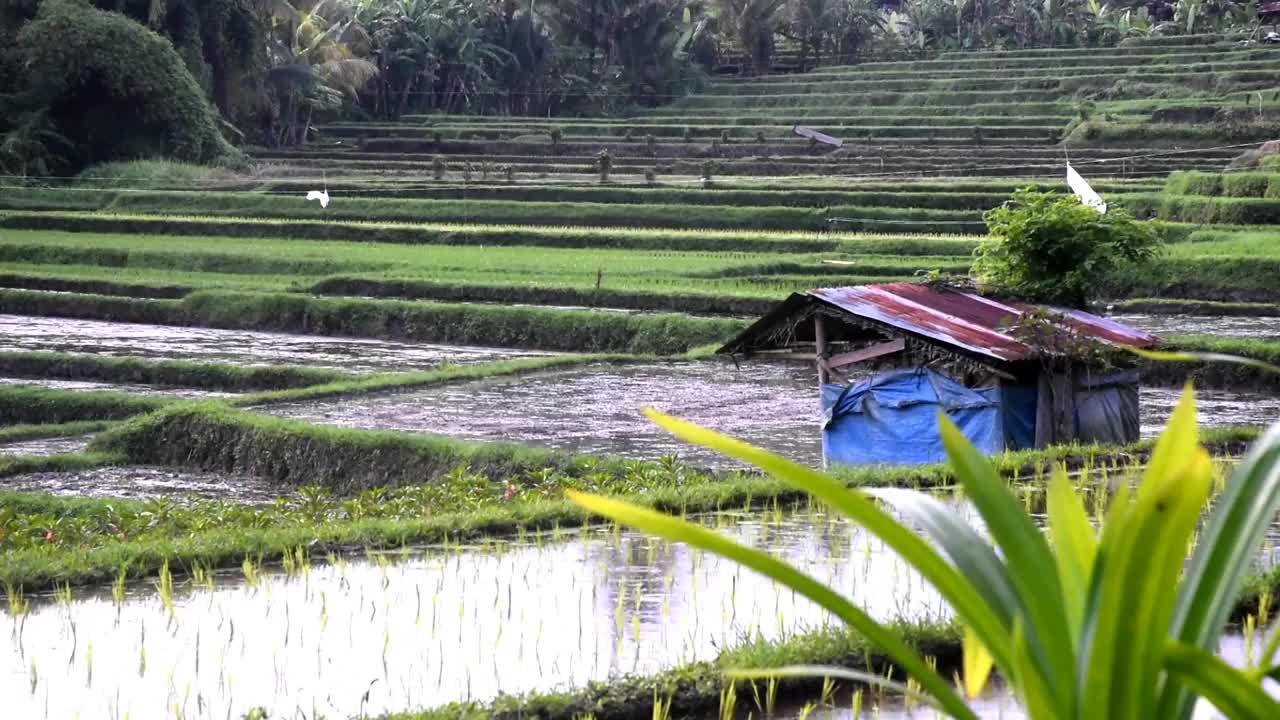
(1048, 247)
(1194, 183)
(152, 173)
(1246, 184)
(97, 68)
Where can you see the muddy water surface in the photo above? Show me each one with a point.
(56, 384)
(46, 446)
(19, 332)
(1258, 328)
(399, 631)
(595, 409)
(142, 482)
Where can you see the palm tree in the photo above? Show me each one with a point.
(314, 61)
(813, 21)
(754, 22)
(33, 146)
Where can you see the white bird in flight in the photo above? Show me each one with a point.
(321, 195)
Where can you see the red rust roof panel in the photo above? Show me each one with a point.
(964, 320)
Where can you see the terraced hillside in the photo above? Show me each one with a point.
(230, 376)
(1121, 110)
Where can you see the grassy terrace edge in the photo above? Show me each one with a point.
(489, 325)
(233, 440)
(33, 411)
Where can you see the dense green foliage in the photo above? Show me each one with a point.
(96, 67)
(1052, 248)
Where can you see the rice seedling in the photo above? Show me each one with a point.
(62, 595)
(249, 569)
(18, 605)
(661, 707)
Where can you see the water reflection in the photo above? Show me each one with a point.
(394, 633)
(407, 630)
(243, 347)
(140, 482)
(46, 446)
(1241, 326)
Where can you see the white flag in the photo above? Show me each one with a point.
(1084, 192)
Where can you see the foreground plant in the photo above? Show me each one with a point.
(1099, 625)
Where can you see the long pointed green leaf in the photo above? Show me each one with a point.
(1074, 547)
(976, 662)
(1033, 690)
(1236, 527)
(1190, 356)
(881, 637)
(967, 602)
(970, 552)
(1130, 622)
(1230, 690)
(1027, 557)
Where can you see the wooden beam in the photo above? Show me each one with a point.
(820, 349)
(867, 353)
(810, 133)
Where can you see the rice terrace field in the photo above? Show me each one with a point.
(268, 457)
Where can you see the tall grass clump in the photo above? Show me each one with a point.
(152, 173)
(1099, 624)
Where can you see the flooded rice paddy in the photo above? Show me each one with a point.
(57, 384)
(1238, 326)
(140, 482)
(406, 630)
(45, 446)
(241, 347)
(595, 409)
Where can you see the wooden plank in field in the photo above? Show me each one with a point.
(808, 132)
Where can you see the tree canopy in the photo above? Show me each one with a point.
(271, 68)
(1051, 248)
(113, 88)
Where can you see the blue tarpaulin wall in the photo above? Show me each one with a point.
(891, 419)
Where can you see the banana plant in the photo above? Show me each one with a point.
(1083, 624)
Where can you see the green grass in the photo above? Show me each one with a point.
(1232, 266)
(144, 173)
(176, 373)
(464, 496)
(17, 433)
(469, 211)
(519, 327)
(402, 381)
(1202, 210)
(1197, 307)
(626, 237)
(27, 405)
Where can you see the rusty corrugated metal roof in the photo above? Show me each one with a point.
(966, 321)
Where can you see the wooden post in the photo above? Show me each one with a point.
(820, 350)
(819, 358)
